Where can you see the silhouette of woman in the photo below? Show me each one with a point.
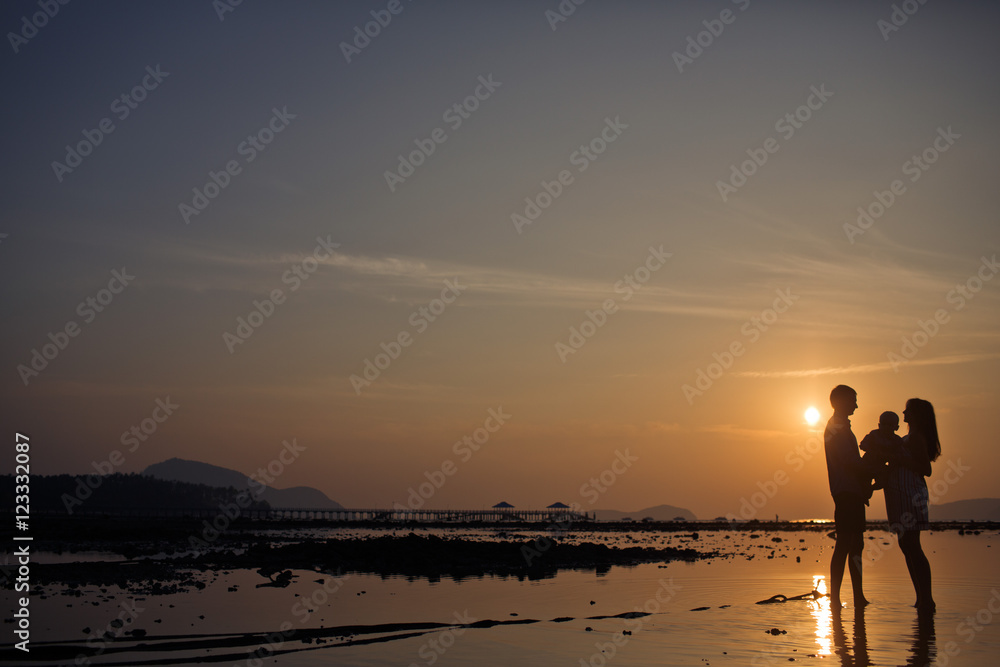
(906, 496)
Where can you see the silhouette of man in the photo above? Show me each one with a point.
(849, 485)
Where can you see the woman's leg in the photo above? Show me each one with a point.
(918, 566)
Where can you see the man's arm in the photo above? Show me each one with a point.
(845, 454)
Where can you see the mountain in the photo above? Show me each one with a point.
(182, 470)
(72, 494)
(658, 513)
(980, 509)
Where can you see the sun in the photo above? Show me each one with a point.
(812, 416)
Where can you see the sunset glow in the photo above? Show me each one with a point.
(368, 248)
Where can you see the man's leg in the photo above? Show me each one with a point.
(840, 552)
(856, 553)
(837, 564)
(854, 563)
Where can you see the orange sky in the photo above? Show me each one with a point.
(674, 208)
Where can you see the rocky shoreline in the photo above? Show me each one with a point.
(414, 556)
(157, 557)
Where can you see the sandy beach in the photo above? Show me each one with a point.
(659, 597)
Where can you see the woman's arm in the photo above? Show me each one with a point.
(918, 453)
(913, 455)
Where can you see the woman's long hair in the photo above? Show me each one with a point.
(920, 414)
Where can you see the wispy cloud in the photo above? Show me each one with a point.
(731, 429)
(879, 367)
(379, 266)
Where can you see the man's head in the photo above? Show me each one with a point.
(844, 400)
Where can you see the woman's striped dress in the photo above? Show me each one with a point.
(906, 498)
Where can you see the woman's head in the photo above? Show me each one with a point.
(919, 414)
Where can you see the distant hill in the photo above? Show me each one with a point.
(67, 493)
(980, 509)
(658, 513)
(196, 472)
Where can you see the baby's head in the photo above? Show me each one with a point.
(888, 422)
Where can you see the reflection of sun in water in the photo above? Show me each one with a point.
(812, 416)
(820, 610)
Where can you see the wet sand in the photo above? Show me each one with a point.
(684, 611)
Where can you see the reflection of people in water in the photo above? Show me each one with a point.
(906, 496)
(923, 651)
(859, 656)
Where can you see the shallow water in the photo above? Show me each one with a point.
(679, 631)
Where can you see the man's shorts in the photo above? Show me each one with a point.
(849, 515)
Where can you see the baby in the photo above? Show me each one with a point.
(877, 444)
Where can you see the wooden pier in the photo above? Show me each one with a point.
(390, 515)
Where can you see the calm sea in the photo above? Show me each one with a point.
(701, 613)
